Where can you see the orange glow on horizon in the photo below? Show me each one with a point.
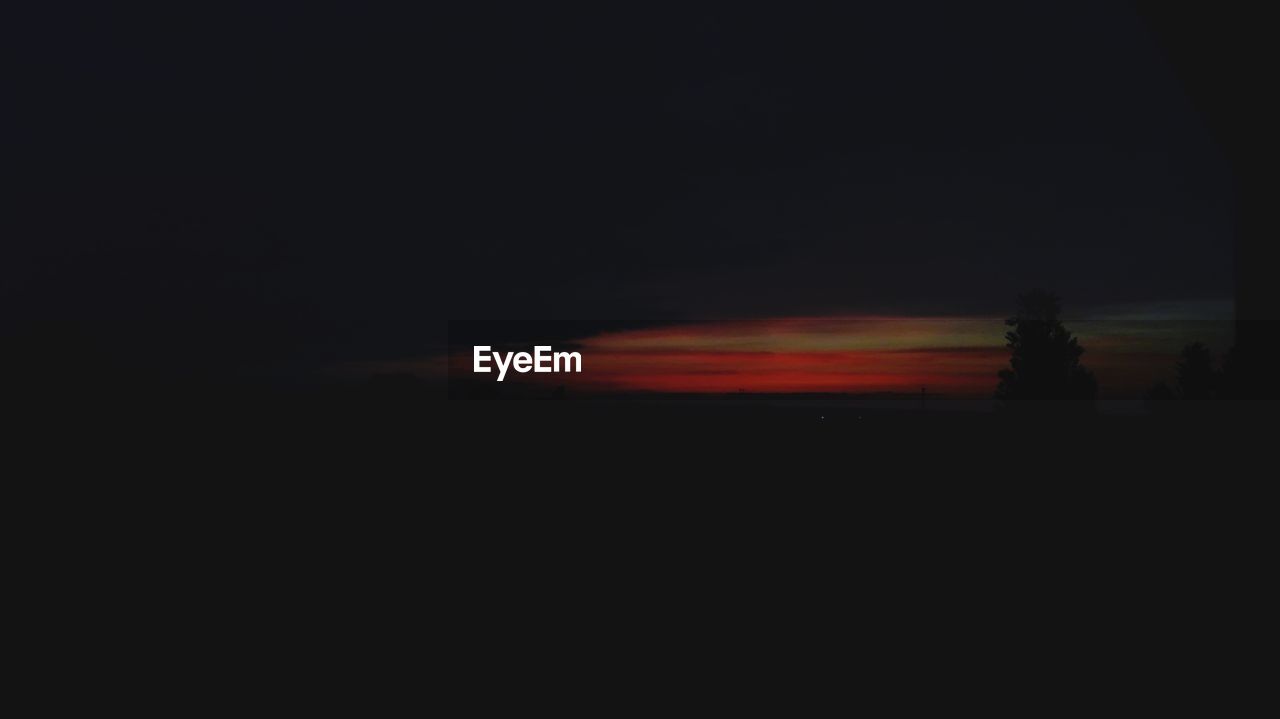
(949, 356)
(953, 372)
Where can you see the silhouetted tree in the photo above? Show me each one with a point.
(1197, 378)
(1045, 358)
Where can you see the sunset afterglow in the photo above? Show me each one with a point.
(947, 356)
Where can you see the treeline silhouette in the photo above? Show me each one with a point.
(1045, 366)
(58, 372)
(1044, 362)
(1198, 377)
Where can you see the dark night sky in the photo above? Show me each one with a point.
(305, 183)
